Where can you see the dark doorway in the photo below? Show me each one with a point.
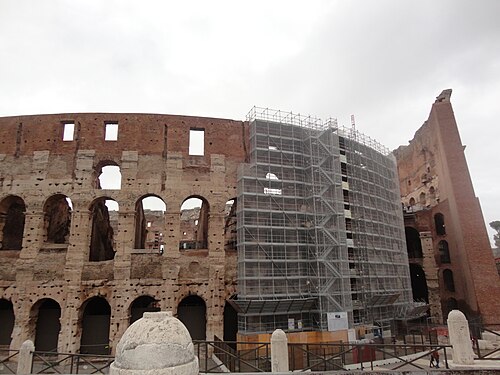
(230, 322)
(95, 327)
(418, 283)
(413, 244)
(140, 306)
(6, 323)
(47, 325)
(192, 312)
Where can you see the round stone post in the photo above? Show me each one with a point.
(279, 351)
(156, 344)
(458, 329)
(25, 362)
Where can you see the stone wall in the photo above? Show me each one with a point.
(152, 154)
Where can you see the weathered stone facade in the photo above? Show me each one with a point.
(446, 234)
(39, 170)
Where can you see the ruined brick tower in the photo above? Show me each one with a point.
(450, 255)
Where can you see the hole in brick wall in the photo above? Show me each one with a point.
(111, 131)
(110, 177)
(197, 142)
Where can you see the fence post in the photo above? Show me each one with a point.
(279, 351)
(25, 364)
(458, 329)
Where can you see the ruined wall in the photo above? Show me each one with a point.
(152, 154)
(434, 179)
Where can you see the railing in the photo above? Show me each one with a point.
(8, 361)
(219, 356)
(222, 356)
(486, 354)
(70, 363)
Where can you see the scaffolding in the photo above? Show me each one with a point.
(319, 227)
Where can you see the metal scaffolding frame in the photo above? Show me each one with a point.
(319, 226)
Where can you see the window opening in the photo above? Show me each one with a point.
(230, 238)
(197, 142)
(110, 178)
(68, 131)
(194, 236)
(95, 327)
(439, 224)
(13, 210)
(449, 283)
(150, 223)
(104, 214)
(57, 213)
(444, 252)
(111, 133)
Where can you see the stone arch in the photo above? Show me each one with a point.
(230, 221)
(104, 226)
(448, 281)
(444, 252)
(150, 222)
(12, 219)
(7, 319)
(192, 311)
(432, 193)
(413, 243)
(439, 224)
(194, 214)
(107, 175)
(57, 219)
(412, 202)
(45, 317)
(141, 305)
(95, 323)
(418, 283)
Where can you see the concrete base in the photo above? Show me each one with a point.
(186, 369)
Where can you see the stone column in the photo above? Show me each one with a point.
(431, 274)
(279, 351)
(25, 362)
(458, 329)
(79, 243)
(124, 242)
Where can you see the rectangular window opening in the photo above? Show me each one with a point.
(111, 131)
(197, 142)
(69, 131)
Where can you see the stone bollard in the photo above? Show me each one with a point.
(458, 330)
(279, 351)
(25, 362)
(157, 344)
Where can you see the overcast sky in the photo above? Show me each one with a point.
(383, 61)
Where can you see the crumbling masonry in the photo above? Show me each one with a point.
(296, 220)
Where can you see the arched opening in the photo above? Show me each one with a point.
(194, 224)
(271, 176)
(104, 216)
(57, 216)
(421, 199)
(95, 326)
(413, 244)
(12, 217)
(451, 304)
(48, 313)
(150, 223)
(432, 193)
(230, 238)
(141, 305)
(439, 224)
(412, 202)
(418, 283)
(109, 176)
(449, 283)
(6, 322)
(230, 322)
(192, 312)
(444, 252)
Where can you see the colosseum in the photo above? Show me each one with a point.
(238, 227)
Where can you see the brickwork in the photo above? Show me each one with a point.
(152, 153)
(434, 179)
